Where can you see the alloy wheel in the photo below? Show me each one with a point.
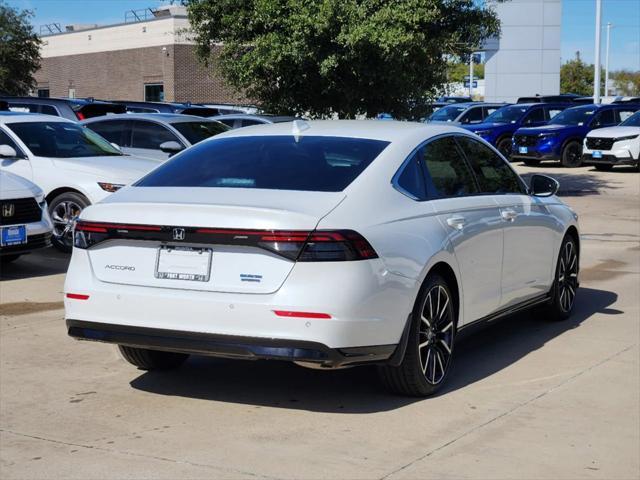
(63, 216)
(568, 277)
(436, 335)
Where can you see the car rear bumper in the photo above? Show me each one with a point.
(229, 346)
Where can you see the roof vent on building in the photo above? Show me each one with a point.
(78, 27)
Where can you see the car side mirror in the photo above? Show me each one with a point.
(116, 146)
(543, 186)
(7, 151)
(171, 147)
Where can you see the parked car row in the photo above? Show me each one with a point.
(546, 130)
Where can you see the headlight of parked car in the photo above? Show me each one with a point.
(628, 137)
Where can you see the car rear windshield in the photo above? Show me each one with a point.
(307, 163)
(62, 140)
(575, 116)
(195, 132)
(507, 115)
(632, 121)
(447, 114)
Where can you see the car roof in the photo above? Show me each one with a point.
(249, 116)
(74, 101)
(6, 118)
(158, 117)
(389, 131)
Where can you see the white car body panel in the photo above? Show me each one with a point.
(496, 262)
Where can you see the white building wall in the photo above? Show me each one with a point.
(152, 33)
(526, 59)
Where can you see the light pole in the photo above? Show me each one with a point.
(471, 75)
(606, 62)
(596, 73)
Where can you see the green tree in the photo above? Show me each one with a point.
(350, 57)
(19, 51)
(457, 71)
(576, 77)
(627, 82)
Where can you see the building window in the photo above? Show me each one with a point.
(154, 92)
(43, 92)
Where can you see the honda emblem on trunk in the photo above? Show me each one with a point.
(8, 209)
(178, 233)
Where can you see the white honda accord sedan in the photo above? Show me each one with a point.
(326, 243)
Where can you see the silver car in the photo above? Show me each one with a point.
(154, 135)
(238, 120)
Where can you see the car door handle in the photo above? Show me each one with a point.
(456, 222)
(508, 214)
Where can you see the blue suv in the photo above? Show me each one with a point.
(561, 139)
(498, 128)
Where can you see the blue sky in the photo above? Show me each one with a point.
(578, 22)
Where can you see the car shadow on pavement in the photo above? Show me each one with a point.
(41, 263)
(357, 390)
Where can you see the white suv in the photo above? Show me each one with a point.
(607, 147)
(73, 165)
(24, 221)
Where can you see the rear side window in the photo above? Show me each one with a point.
(116, 131)
(308, 163)
(552, 112)
(448, 172)
(604, 118)
(534, 116)
(622, 115)
(49, 110)
(410, 180)
(474, 115)
(492, 172)
(150, 135)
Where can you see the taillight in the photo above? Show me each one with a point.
(296, 245)
(81, 116)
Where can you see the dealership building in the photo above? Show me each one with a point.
(151, 57)
(147, 57)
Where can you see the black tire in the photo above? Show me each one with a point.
(603, 167)
(152, 359)
(4, 259)
(63, 209)
(565, 285)
(572, 154)
(504, 147)
(531, 162)
(420, 374)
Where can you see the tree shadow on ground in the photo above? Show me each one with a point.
(357, 390)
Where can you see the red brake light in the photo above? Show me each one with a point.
(77, 296)
(80, 116)
(287, 313)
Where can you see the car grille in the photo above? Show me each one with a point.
(40, 240)
(19, 210)
(594, 143)
(526, 140)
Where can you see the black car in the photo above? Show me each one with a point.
(168, 107)
(70, 108)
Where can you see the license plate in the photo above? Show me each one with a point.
(523, 150)
(15, 235)
(184, 263)
(596, 154)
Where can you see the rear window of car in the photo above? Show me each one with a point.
(307, 163)
(195, 132)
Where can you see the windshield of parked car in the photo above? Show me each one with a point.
(62, 140)
(632, 121)
(307, 163)
(509, 114)
(447, 114)
(195, 132)
(575, 116)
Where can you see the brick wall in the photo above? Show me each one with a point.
(122, 74)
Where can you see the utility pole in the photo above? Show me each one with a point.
(596, 66)
(471, 75)
(606, 62)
